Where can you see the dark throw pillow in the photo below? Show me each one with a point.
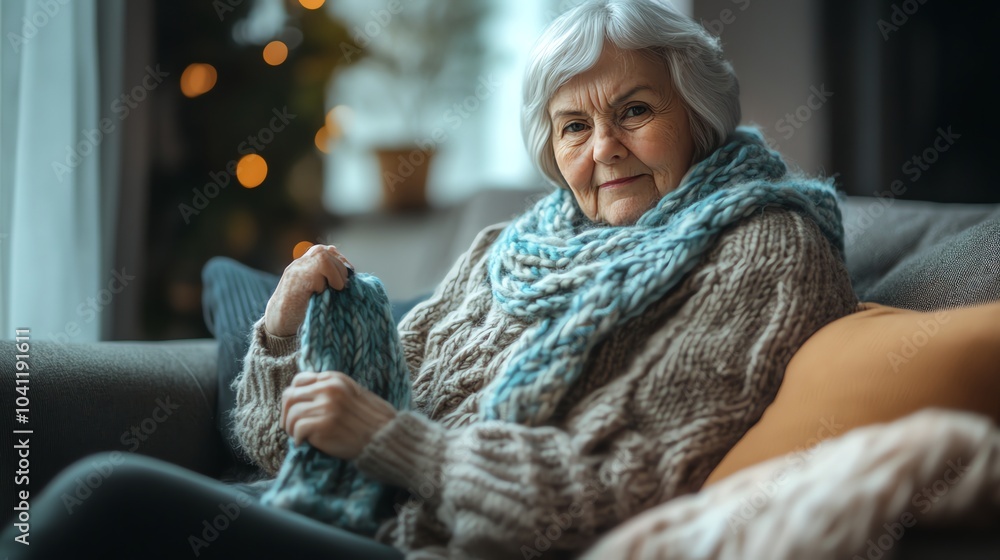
(233, 298)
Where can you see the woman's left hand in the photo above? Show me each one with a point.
(333, 413)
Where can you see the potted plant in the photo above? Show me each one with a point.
(418, 55)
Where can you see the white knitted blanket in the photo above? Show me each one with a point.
(854, 496)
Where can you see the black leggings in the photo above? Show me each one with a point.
(123, 505)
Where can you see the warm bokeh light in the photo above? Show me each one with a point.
(275, 53)
(322, 140)
(300, 249)
(198, 78)
(311, 4)
(251, 170)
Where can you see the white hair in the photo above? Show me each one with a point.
(572, 44)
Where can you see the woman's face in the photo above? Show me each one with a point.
(620, 136)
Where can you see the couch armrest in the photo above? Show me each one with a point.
(154, 398)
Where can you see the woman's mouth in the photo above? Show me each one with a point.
(619, 182)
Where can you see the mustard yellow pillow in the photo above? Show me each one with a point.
(877, 365)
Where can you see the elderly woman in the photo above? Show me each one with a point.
(596, 356)
(603, 351)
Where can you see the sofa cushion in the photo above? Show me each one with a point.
(922, 255)
(233, 298)
(876, 365)
(154, 398)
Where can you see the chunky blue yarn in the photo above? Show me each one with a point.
(579, 280)
(575, 279)
(352, 331)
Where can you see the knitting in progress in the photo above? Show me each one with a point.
(575, 280)
(351, 331)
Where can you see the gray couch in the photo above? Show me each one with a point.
(159, 398)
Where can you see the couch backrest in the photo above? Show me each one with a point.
(922, 255)
(912, 254)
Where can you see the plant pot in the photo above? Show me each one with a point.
(404, 177)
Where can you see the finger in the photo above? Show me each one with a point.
(312, 251)
(292, 396)
(341, 382)
(340, 256)
(344, 265)
(340, 262)
(307, 385)
(305, 378)
(334, 271)
(298, 413)
(305, 428)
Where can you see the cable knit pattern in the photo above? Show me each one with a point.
(659, 401)
(268, 367)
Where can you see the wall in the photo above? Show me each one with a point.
(775, 47)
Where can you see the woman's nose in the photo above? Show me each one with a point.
(608, 148)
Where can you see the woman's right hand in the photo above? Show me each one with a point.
(309, 274)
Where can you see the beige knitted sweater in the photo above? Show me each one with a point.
(661, 401)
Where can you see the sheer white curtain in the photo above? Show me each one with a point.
(60, 76)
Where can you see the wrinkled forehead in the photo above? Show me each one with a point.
(616, 73)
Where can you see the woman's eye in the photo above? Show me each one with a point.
(635, 111)
(572, 127)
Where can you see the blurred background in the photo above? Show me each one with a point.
(141, 138)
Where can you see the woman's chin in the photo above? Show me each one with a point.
(624, 210)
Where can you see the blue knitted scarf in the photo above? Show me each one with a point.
(574, 279)
(579, 282)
